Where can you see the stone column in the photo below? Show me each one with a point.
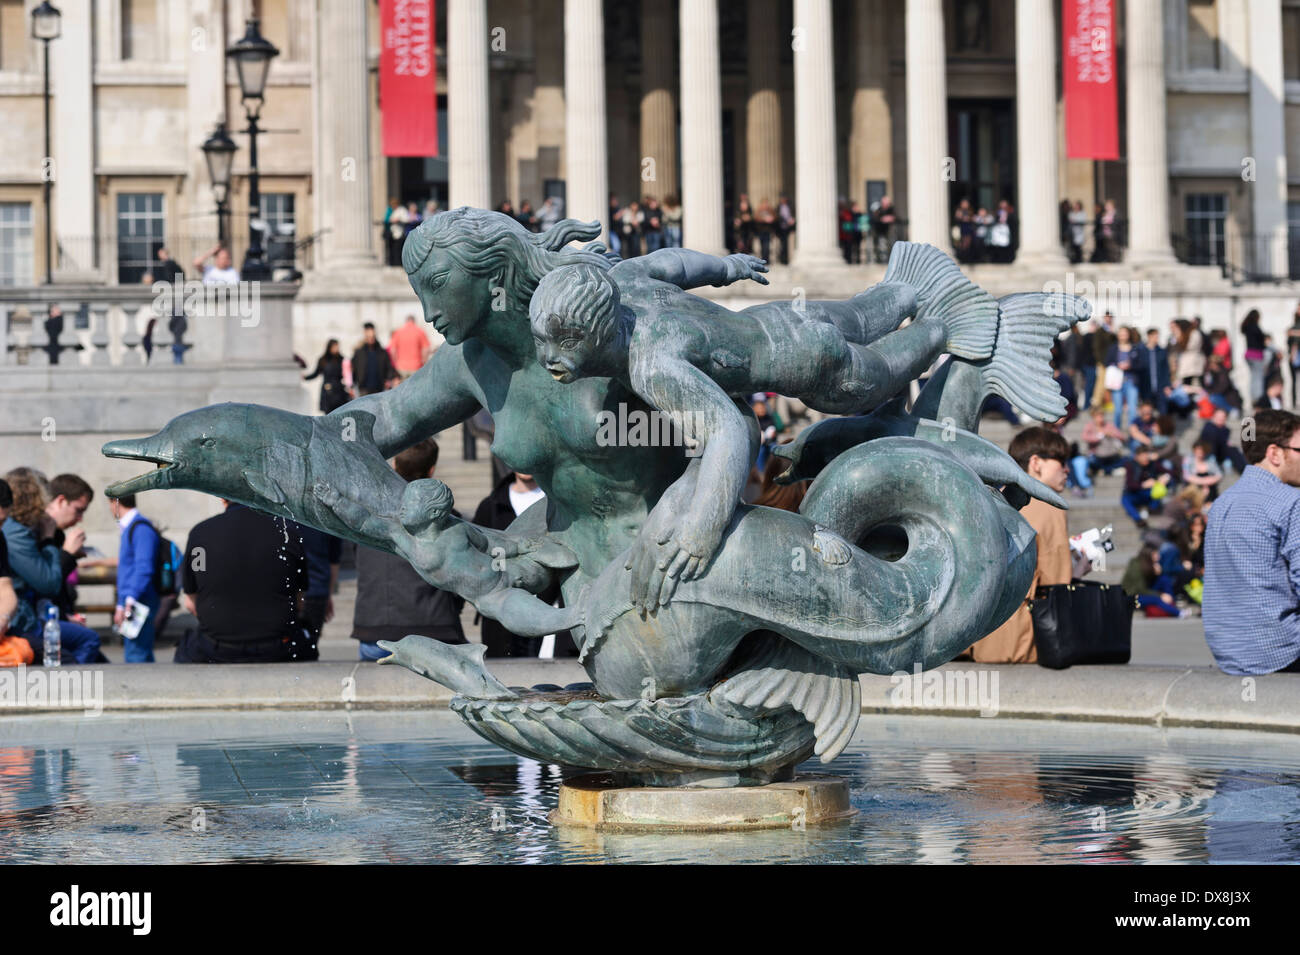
(72, 137)
(1268, 140)
(871, 130)
(585, 145)
(206, 102)
(927, 125)
(1148, 172)
(1036, 132)
(658, 101)
(764, 177)
(814, 135)
(341, 92)
(702, 210)
(469, 157)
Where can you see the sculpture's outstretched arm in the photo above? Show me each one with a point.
(436, 397)
(681, 536)
(688, 269)
(357, 515)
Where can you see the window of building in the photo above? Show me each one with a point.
(14, 30)
(140, 228)
(1291, 41)
(1202, 34)
(16, 266)
(281, 228)
(1206, 214)
(140, 29)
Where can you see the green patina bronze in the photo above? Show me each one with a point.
(723, 641)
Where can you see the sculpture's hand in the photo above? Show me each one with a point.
(741, 266)
(663, 556)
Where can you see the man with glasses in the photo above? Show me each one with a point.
(1251, 604)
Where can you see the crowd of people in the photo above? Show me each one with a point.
(372, 367)
(260, 588)
(1235, 561)
(981, 235)
(400, 220)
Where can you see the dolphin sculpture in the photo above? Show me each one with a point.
(266, 458)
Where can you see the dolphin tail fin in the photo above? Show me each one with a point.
(968, 313)
(1019, 368)
(827, 694)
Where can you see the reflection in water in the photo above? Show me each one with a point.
(419, 787)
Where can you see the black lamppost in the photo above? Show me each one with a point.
(219, 151)
(252, 56)
(47, 25)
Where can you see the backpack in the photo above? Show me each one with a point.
(166, 562)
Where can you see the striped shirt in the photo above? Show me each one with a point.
(1251, 603)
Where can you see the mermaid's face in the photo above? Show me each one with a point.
(565, 352)
(454, 301)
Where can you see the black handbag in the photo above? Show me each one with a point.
(1082, 622)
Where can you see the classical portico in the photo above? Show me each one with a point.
(708, 101)
(897, 137)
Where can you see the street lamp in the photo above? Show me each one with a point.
(47, 25)
(219, 151)
(252, 56)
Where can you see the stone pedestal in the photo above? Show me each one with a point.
(595, 802)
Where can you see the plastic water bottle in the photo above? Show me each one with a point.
(53, 640)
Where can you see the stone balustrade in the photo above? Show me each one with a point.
(109, 326)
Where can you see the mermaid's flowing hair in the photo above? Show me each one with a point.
(487, 243)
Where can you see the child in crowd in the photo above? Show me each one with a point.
(1103, 451)
(1145, 579)
(1201, 470)
(1147, 481)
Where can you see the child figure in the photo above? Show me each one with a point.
(692, 359)
(453, 554)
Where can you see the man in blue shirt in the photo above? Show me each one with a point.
(1251, 603)
(135, 573)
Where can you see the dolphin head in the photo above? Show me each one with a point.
(204, 450)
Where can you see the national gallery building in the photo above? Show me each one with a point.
(1182, 117)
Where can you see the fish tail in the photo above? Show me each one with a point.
(968, 313)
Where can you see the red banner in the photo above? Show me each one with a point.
(408, 90)
(1088, 71)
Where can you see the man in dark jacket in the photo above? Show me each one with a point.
(243, 578)
(1218, 436)
(372, 368)
(392, 599)
(1153, 373)
(513, 495)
